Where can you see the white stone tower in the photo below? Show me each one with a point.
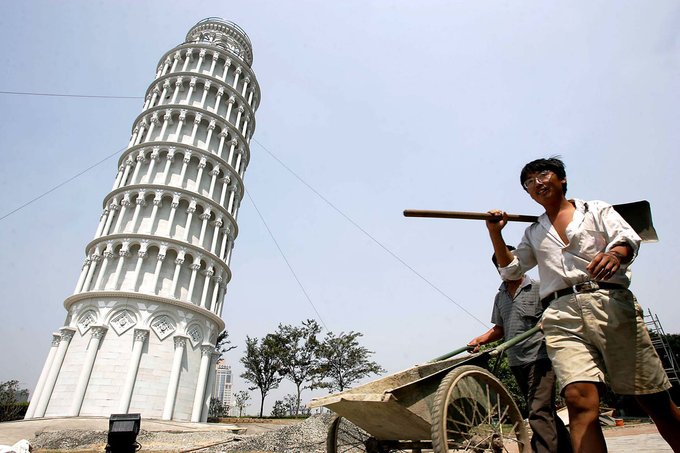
(143, 321)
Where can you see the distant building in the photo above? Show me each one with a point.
(223, 381)
(142, 323)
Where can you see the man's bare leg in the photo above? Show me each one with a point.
(665, 414)
(583, 404)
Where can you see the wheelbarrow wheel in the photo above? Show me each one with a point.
(474, 412)
(346, 437)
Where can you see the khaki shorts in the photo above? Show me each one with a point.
(589, 333)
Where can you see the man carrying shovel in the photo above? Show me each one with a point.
(592, 322)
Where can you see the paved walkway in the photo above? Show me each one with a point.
(643, 438)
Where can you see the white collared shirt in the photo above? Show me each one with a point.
(596, 227)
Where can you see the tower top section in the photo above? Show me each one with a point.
(222, 33)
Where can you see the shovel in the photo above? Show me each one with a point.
(638, 214)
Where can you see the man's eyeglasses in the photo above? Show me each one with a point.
(541, 177)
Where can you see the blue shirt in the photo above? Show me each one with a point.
(517, 313)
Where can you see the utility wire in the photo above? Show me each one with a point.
(286, 260)
(61, 184)
(94, 96)
(380, 244)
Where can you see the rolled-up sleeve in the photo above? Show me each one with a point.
(619, 231)
(524, 259)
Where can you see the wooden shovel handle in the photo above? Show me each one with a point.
(466, 215)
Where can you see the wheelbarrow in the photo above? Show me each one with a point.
(448, 404)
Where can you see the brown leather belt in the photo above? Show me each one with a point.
(584, 287)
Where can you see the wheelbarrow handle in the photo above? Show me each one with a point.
(498, 350)
(451, 354)
(495, 351)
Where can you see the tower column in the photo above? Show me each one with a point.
(97, 333)
(216, 291)
(141, 256)
(201, 166)
(56, 338)
(178, 267)
(159, 265)
(206, 284)
(108, 254)
(232, 148)
(170, 157)
(154, 157)
(206, 353)
(119, 177)
(125, 202)
(157, 203)
(140, 202)
(46, 394)
(180, 344)
(83, 275)
(211, 383)
(122, 254)
(102, 223)
(216, 233)
(140, 336)
(113, 207)
(173, 211)
(94, 259)
(195, 266)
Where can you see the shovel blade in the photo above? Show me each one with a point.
(638, 214)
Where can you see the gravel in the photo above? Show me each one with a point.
(308, 436)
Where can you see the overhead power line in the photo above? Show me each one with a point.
(93, 96)
(299, 178)
(18, 208)
(367, 234)
(309, 299)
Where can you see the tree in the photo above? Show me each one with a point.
(342, 362)
(217, 408)
(262, 365)
(241, 399)
(279, 409)
(299, 347)
(10, 409)
(291, 404)
(223, 343)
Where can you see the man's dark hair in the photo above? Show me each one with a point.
(495, 261)
(553, 164)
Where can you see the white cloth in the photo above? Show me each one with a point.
(23, 446)
(596, 227)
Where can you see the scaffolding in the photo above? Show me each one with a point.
(662, 347)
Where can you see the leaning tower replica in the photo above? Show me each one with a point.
(143, 321)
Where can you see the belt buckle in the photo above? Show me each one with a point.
(585, 287)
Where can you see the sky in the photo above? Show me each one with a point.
(368, 108)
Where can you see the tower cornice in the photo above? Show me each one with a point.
(133, 238)
(217, 32)
(119, 295)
